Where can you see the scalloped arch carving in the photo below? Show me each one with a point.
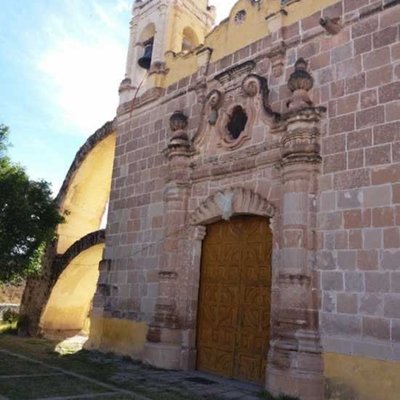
(229, 202)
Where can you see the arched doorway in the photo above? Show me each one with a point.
(233, 327)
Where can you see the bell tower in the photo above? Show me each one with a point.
(158, 27)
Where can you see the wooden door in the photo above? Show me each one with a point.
(234, 301)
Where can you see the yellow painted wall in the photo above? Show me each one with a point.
(87, 195)
(70, 299)
(228, 37)
(360, 378)
(119, 336)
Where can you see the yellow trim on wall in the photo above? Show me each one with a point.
(349, 377)
(228, 37)
(69, 303)
(119, 336)
(87, 195)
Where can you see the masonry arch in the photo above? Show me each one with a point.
(190, 39)
(235, 208)
(84, 194)
(82, 199)
(147, 33)
(66, 312)
(229, 202)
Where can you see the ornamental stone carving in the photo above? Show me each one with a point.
(300, 82)
(179, 143)
(229, 202)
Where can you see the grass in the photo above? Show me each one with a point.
(268, 396)
(38, 387)
(7, 327)
(95, 365)
(119, 372)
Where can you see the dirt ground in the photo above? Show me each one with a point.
(37, 369)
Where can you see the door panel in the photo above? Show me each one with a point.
(234, 301)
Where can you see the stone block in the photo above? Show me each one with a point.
(390, 174)
(341, 324)
(386, 133)
(377, 328)
(355, 159)
(362, 44)
(380, 76)
(370, 117)
(346, 260)
(332, 280)
(354, 282)
(392, 111)
(347, 303)
(334, 163)
(363, 27)
(355, 239)
(395, 282)
(377, 58)
(349, 68)
(395, 330)
(385, 37)
(391, 259)
(392, 305)
(351, 179)
(367, 260)
(371, 304)
(334, 144)
(359, 139)
(380, 351)
(377, 282)
(328, 201)
(373, 238)
(350, 198)
(382, 217)
(389, 92)
(369, 98)
(378, 196)
(354, 84)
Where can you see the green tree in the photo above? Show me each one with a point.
(28, 217)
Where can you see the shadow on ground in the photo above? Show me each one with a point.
(50, 374)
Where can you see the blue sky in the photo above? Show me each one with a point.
(61, 62)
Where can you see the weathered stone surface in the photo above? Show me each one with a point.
(328, 183)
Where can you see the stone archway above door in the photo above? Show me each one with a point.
(231, 201)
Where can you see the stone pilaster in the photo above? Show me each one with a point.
(164, 339)
(295, 361)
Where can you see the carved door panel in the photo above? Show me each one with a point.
(234, 301)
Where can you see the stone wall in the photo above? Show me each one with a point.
(331, 179)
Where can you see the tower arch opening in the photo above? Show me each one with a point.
(190, 39)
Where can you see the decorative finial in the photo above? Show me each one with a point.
(179, 138)
(178, 121)
(300, 82)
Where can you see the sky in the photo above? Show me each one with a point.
(61, 62)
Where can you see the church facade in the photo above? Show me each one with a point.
(254, 212)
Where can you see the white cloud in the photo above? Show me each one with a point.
(86, 80)
(223, 8)
(84, 59)
(83, 63)
(124, 5)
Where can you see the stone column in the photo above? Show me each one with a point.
(164, 339)
(295, 361)
(161, 39)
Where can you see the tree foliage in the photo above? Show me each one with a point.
(28, 217)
